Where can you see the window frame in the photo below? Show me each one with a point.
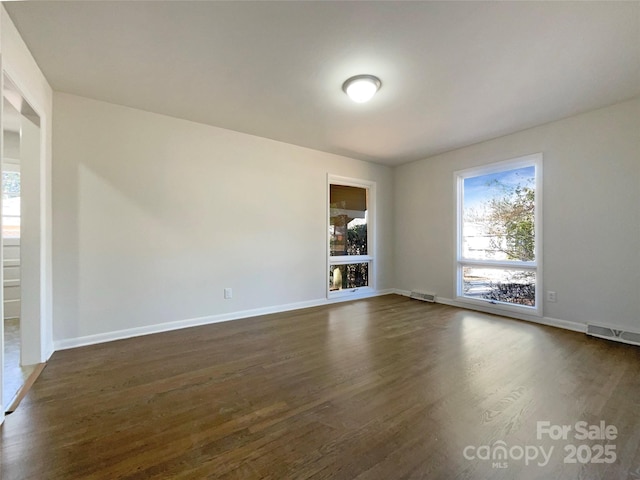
(370, 187)
(460, 262)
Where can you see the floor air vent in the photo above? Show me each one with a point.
(613, 334)
(424, 296)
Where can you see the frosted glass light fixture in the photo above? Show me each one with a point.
(361, 88)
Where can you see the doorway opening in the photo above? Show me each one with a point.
(21, 240)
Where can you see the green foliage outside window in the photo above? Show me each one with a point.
(510, 222)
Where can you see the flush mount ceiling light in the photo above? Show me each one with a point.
(361, 88)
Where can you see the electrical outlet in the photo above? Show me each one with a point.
(228, 293)
(551, 296)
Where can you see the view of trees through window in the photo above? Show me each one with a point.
(498, 226)
(348, 237)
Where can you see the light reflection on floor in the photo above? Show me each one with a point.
(346, 330)
(14, 375)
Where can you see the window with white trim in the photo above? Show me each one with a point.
(498, 241)
(350, 225)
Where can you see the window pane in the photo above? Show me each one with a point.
(11, 204)
(500, 285)
(348, 220)
(11, 227)
(352, 275)
(498, 216)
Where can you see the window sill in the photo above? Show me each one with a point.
(351, 292)
(500, 308)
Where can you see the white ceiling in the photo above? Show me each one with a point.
(453, 73)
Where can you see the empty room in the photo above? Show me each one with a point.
(320, 240)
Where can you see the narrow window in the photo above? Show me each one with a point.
(350, 223)
(498, 235)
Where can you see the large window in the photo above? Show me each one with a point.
(499, 244)
(350, 260)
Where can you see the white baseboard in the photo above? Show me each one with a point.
(404, 293)
(68, 343)
(560, 323)
(48, 351)
(549, 321)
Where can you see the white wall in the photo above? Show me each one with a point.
(154, 216)
(31, 260)
(591, 226)
(10, 145)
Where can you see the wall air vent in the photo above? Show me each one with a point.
(424, 296)
(614, 334)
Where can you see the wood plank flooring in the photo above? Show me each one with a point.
(383, 388)
(15, 376)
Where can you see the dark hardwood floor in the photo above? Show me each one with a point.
(384, 388)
